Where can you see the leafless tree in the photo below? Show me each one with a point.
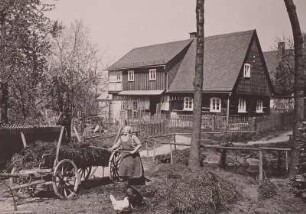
(194, 156)
(74, 68)
(298, 80)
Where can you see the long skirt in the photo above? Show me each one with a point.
(131, 167)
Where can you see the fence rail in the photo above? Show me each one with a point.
(153, 125)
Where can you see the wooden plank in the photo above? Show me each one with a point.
(24, 142)
(275, 148)
(287, 161)
(178, 144)
(58, 146)
(18, 212)
(27, 185)
(77, 134)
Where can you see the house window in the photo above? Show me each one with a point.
(119, 76)
(188, 103)
(259, 106)
(242, 106)
(115, 76)
(152, 74)
(247, 70)
(130, 75)
(215, 104)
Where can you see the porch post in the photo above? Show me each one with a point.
(227, 109)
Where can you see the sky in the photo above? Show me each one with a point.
(117, 26)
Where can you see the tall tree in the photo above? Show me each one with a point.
(74, 67)
(23, 45)
(298, 81)
(194, 156)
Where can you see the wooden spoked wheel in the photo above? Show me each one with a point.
(114, 162)
(23, 192)
(85, 173)
(65, 179)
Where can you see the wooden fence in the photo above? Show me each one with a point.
(273, 121)
(154, 125)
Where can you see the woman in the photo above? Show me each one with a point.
(130, 167)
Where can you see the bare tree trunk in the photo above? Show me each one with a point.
(4, 102)
(298, 81)
(194, 156)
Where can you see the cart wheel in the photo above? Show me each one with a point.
(113, 164)
(24, 192)
(65, 179)
(85, 173)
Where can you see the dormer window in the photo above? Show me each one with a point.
(247, 70)
(152, 74)
(131, 75)
(215, 104)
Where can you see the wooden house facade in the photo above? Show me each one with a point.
(159, 78)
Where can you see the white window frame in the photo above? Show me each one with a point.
(188, 104)
(247, 70)
(119, 76)
(242, 105)
(259, 106)
(152, 74)
(215, 104)
(131, 75)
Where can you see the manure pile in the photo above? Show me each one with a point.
(185, 191)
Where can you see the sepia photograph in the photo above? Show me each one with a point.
(152, 106)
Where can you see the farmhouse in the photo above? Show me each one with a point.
(159, 78)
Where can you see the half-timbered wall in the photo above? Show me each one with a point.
(257, 83)
(141, 80)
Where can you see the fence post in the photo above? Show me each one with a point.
(154, 150)
(223, 159)
(253, 124)
(171, 155)
(287, 161)
(147, 149)
(260, 177)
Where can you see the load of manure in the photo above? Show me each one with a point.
(81, 154)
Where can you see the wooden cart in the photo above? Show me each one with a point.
(64, 177)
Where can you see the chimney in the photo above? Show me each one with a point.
(281, 50)
(193, 35)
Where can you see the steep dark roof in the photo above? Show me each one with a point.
(223, 58)
(271, 62)
(159, 54)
